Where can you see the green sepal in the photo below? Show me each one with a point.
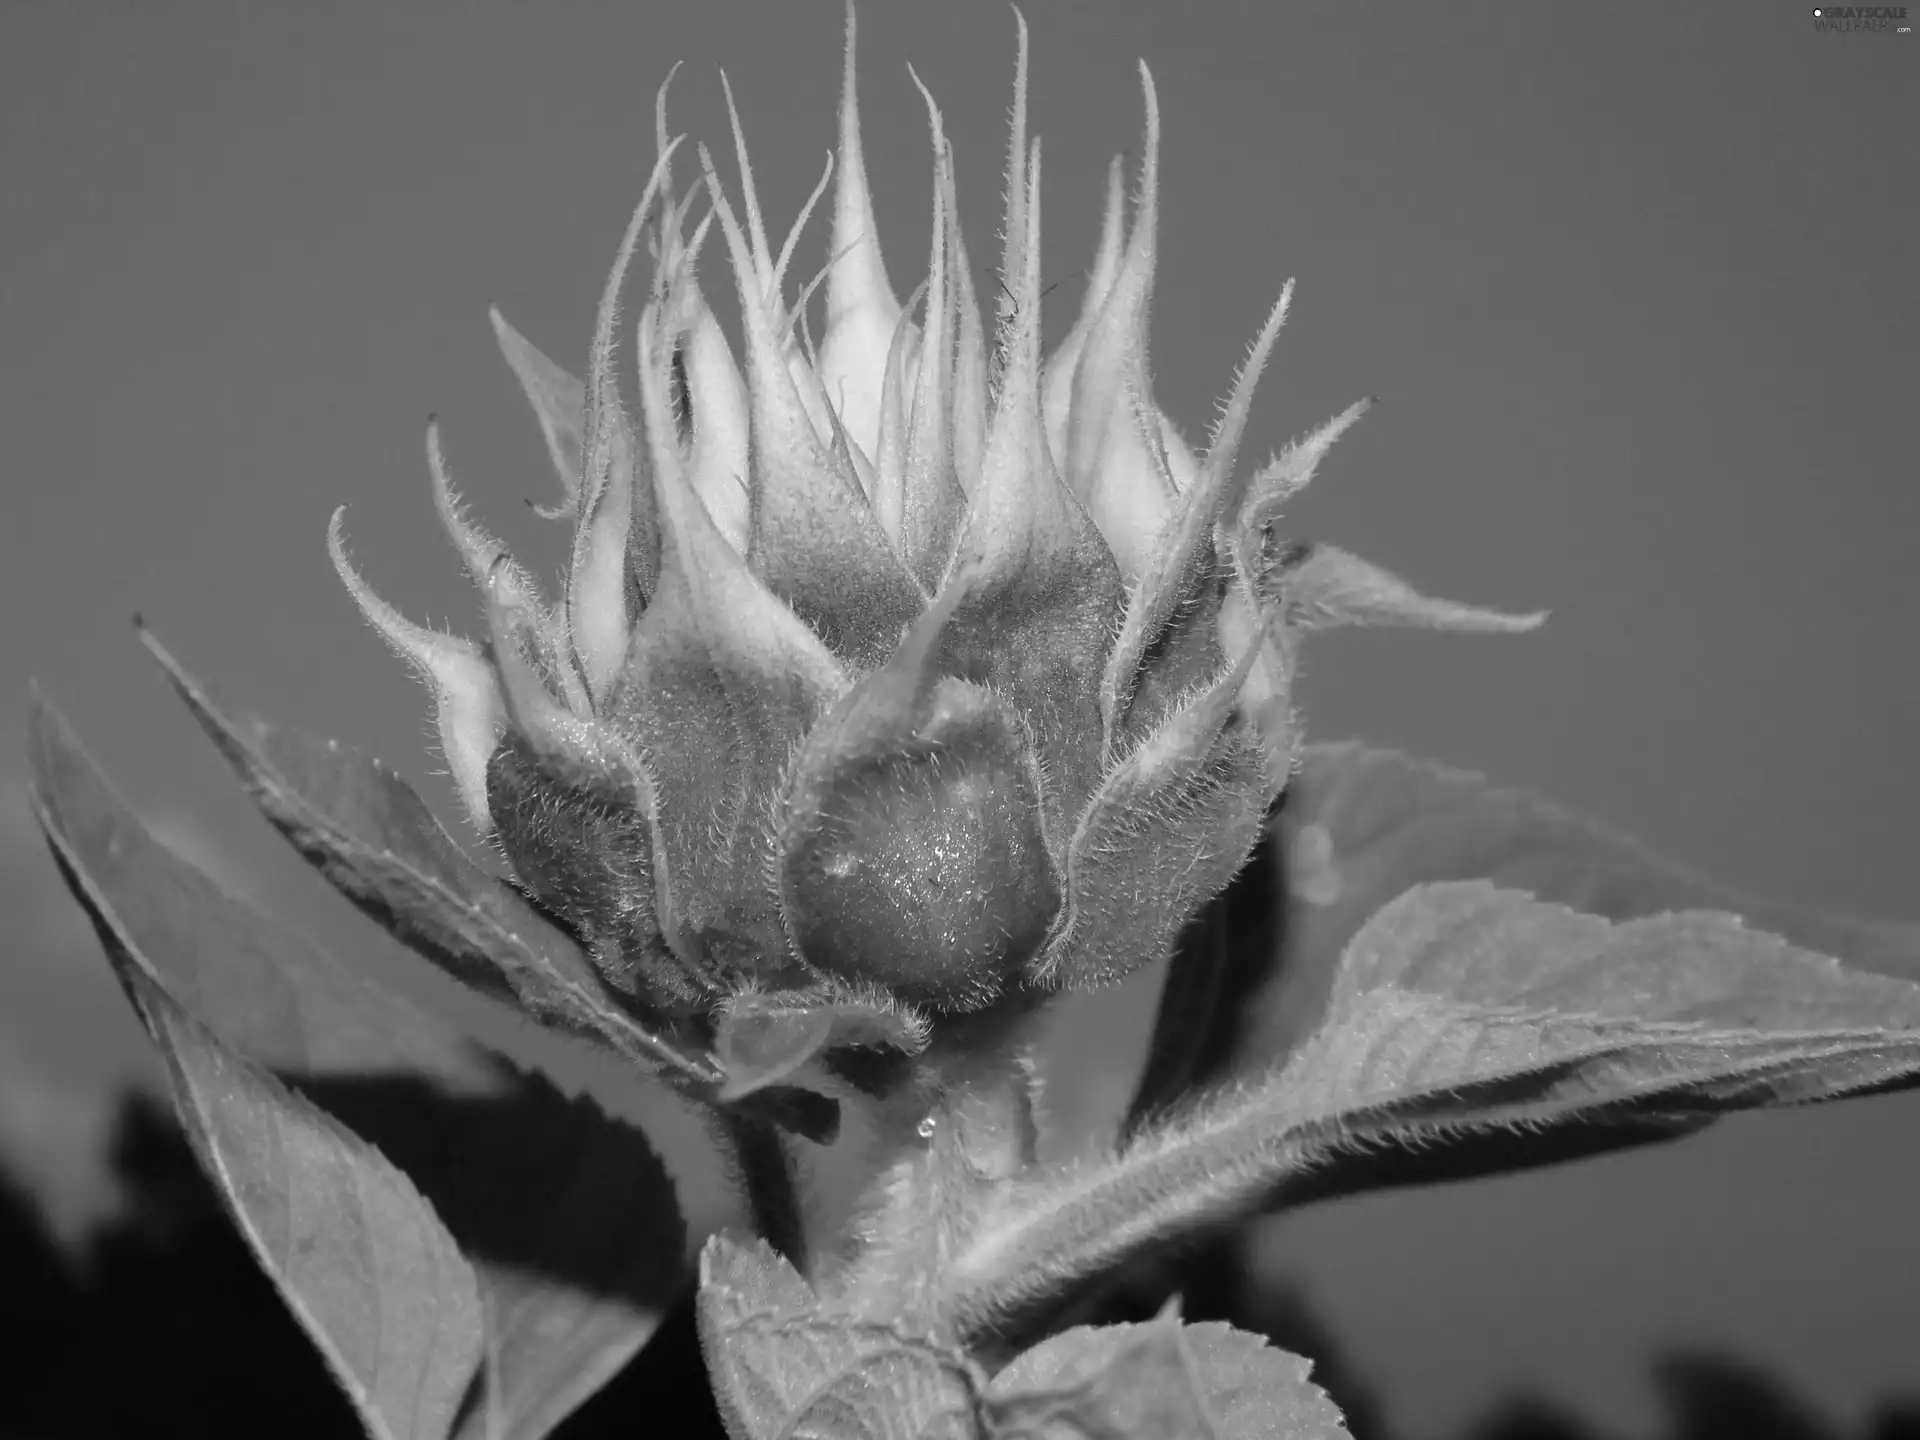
(762, 1040)
(911, 847)
(614, 545)
(721, 683)
(1110, 451)
(1322, 587)
(559, 401)
(862, 315)
(1168, 641)
(1170, 826)
(934, 502)
(1033, 591)
(816, 542)
(469, 709)
(579, 840)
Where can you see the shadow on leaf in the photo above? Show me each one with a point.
(567, 1167)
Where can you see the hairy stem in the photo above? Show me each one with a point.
(1065, 1225)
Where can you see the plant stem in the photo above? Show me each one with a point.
(1223, 952)
(766, 1173)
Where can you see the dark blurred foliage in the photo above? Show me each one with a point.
(165, 1323)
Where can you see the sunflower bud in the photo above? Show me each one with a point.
(889, 679)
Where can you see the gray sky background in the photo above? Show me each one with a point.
(1636, 284)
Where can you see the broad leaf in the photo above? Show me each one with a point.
(590, 1258)
(1361, 825)
(1164, 1379)
(369, 833)
(566, 1215)
(269, 991)
(1454, 987)
(569, 1219)
(886, 1384)
(364, 1263)
(783, 1367)
(1461, 1009)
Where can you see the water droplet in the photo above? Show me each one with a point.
(926, 1128)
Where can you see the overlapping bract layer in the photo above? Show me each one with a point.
(892, 675)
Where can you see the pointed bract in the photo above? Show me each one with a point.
(1032, 590)
(721, 682)
(579, 838)
(708, 391)
(1169, 638)
(1323, 587)
(933, 502)
(468, 707)
(816, 541)
(1168, 828)
(970, 381)
(862, 313)
(1113, 458)
(511, 598)
(614, 539)
(1269, 488)
(1063, 366)
(559, 403)
(1015, 228)
(886, 481)
(750, 198)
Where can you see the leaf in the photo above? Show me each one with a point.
(782, 1367)
(743, 1278)
(268, 990)
(566, 1215)
(1161, 1379)
(365, 829)
(569, 1218)
(1681, 1014)
(362, 1260)
(1463, 1009)
(893, 1387)
(1361, 825)
(587, 1270)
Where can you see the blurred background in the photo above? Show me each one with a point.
(1635, 284)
